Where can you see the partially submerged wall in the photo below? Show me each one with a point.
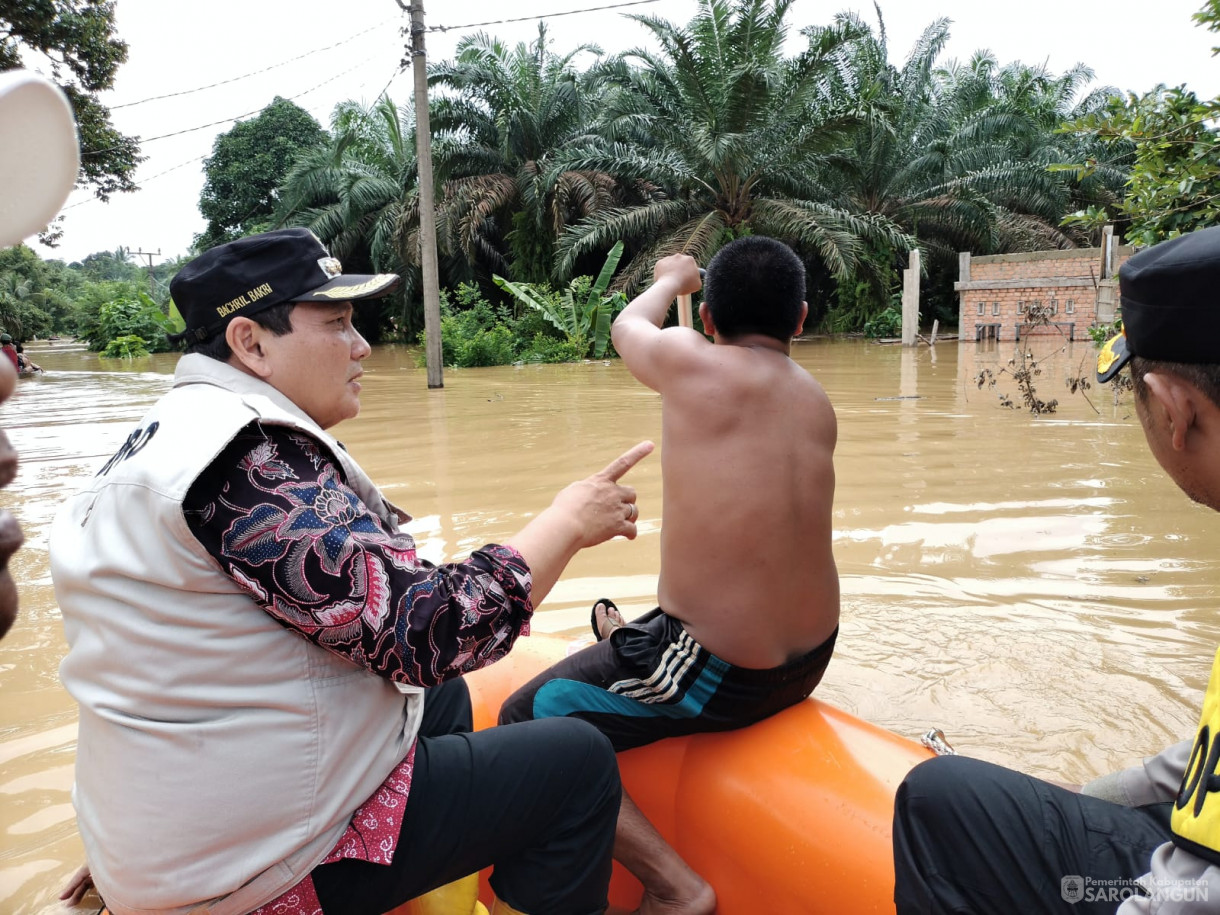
(997, 292)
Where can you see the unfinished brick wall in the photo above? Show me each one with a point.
(996, 292)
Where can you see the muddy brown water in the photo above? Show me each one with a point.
(1032, 585)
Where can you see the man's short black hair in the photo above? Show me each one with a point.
(1204, 376)
(755, 285)
(277, 319)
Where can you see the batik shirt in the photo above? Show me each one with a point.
(274, 512)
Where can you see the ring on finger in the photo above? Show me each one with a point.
(632, 511)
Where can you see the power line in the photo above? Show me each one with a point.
(236, 117)
(441, 28)
(225, 82)
(590, 9)
(145, 181)
(397, 72)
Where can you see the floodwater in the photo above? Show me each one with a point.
(1032, 585)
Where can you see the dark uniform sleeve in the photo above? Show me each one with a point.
(274, 511)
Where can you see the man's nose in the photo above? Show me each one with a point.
(360, 347)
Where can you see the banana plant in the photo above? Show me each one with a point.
(577, 315)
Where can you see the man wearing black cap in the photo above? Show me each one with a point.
(970, 837)
(271, 715)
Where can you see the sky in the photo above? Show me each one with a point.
(229, 58)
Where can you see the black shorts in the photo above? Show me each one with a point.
(650, 680)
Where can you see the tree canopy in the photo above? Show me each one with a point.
(723, 126)
(77, 38)
(1172, 149)
(248, 166)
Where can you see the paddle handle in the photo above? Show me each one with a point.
(685, 318)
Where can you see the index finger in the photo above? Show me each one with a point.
(628, 459)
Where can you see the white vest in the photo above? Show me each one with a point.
(220, 756)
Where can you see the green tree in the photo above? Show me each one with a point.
(247, 167)
(358, 194)
(958, 156)
(77, 38)
(109, 266)
(1174, 181)
(502, 122)
(736, 133)
(45, 307)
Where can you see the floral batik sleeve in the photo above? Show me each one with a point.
(275, 513)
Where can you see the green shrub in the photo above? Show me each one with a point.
(477, 335)
(487, 346)
(546, 348)
(583, 311)
(886, 324)
(1100, 333)
(129, 346)
(128, 316)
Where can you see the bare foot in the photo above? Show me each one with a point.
(671, 886)
(701, 901)
(608, 619)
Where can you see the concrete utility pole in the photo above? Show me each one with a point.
(150, 255)
(427, 208)
(910, 300)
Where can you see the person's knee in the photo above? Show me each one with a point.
(588, 751)
(937, 777)
(949, 793)
(517, 707)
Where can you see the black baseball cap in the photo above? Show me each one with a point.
(251, 274)
(1170, 297)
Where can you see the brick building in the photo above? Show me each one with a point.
(1004, 296)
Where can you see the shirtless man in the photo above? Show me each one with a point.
(748, 584)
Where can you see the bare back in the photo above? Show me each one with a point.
(747, 443)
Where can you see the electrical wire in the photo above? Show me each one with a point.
(236, 117)
(142, 182)
(225, 82)
(397, 71)
(439, 28)
(591, 9)
(93, 199)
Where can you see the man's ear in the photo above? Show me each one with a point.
(1179, 400)
(705, 315)
(245, 339)
(800, 325)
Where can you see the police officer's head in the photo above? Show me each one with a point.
(1171, 339)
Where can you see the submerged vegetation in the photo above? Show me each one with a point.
(553, 163)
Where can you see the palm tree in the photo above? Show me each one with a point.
(958, 156)
(359, 194)
(18, 302)
(504, 117)
(735, 133)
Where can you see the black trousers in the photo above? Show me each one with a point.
(538, 800)
(971, 837)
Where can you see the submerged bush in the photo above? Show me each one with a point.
(130, 346)
(124, 317)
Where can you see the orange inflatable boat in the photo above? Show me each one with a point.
(790, 816)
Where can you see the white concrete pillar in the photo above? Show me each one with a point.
(910, 300)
